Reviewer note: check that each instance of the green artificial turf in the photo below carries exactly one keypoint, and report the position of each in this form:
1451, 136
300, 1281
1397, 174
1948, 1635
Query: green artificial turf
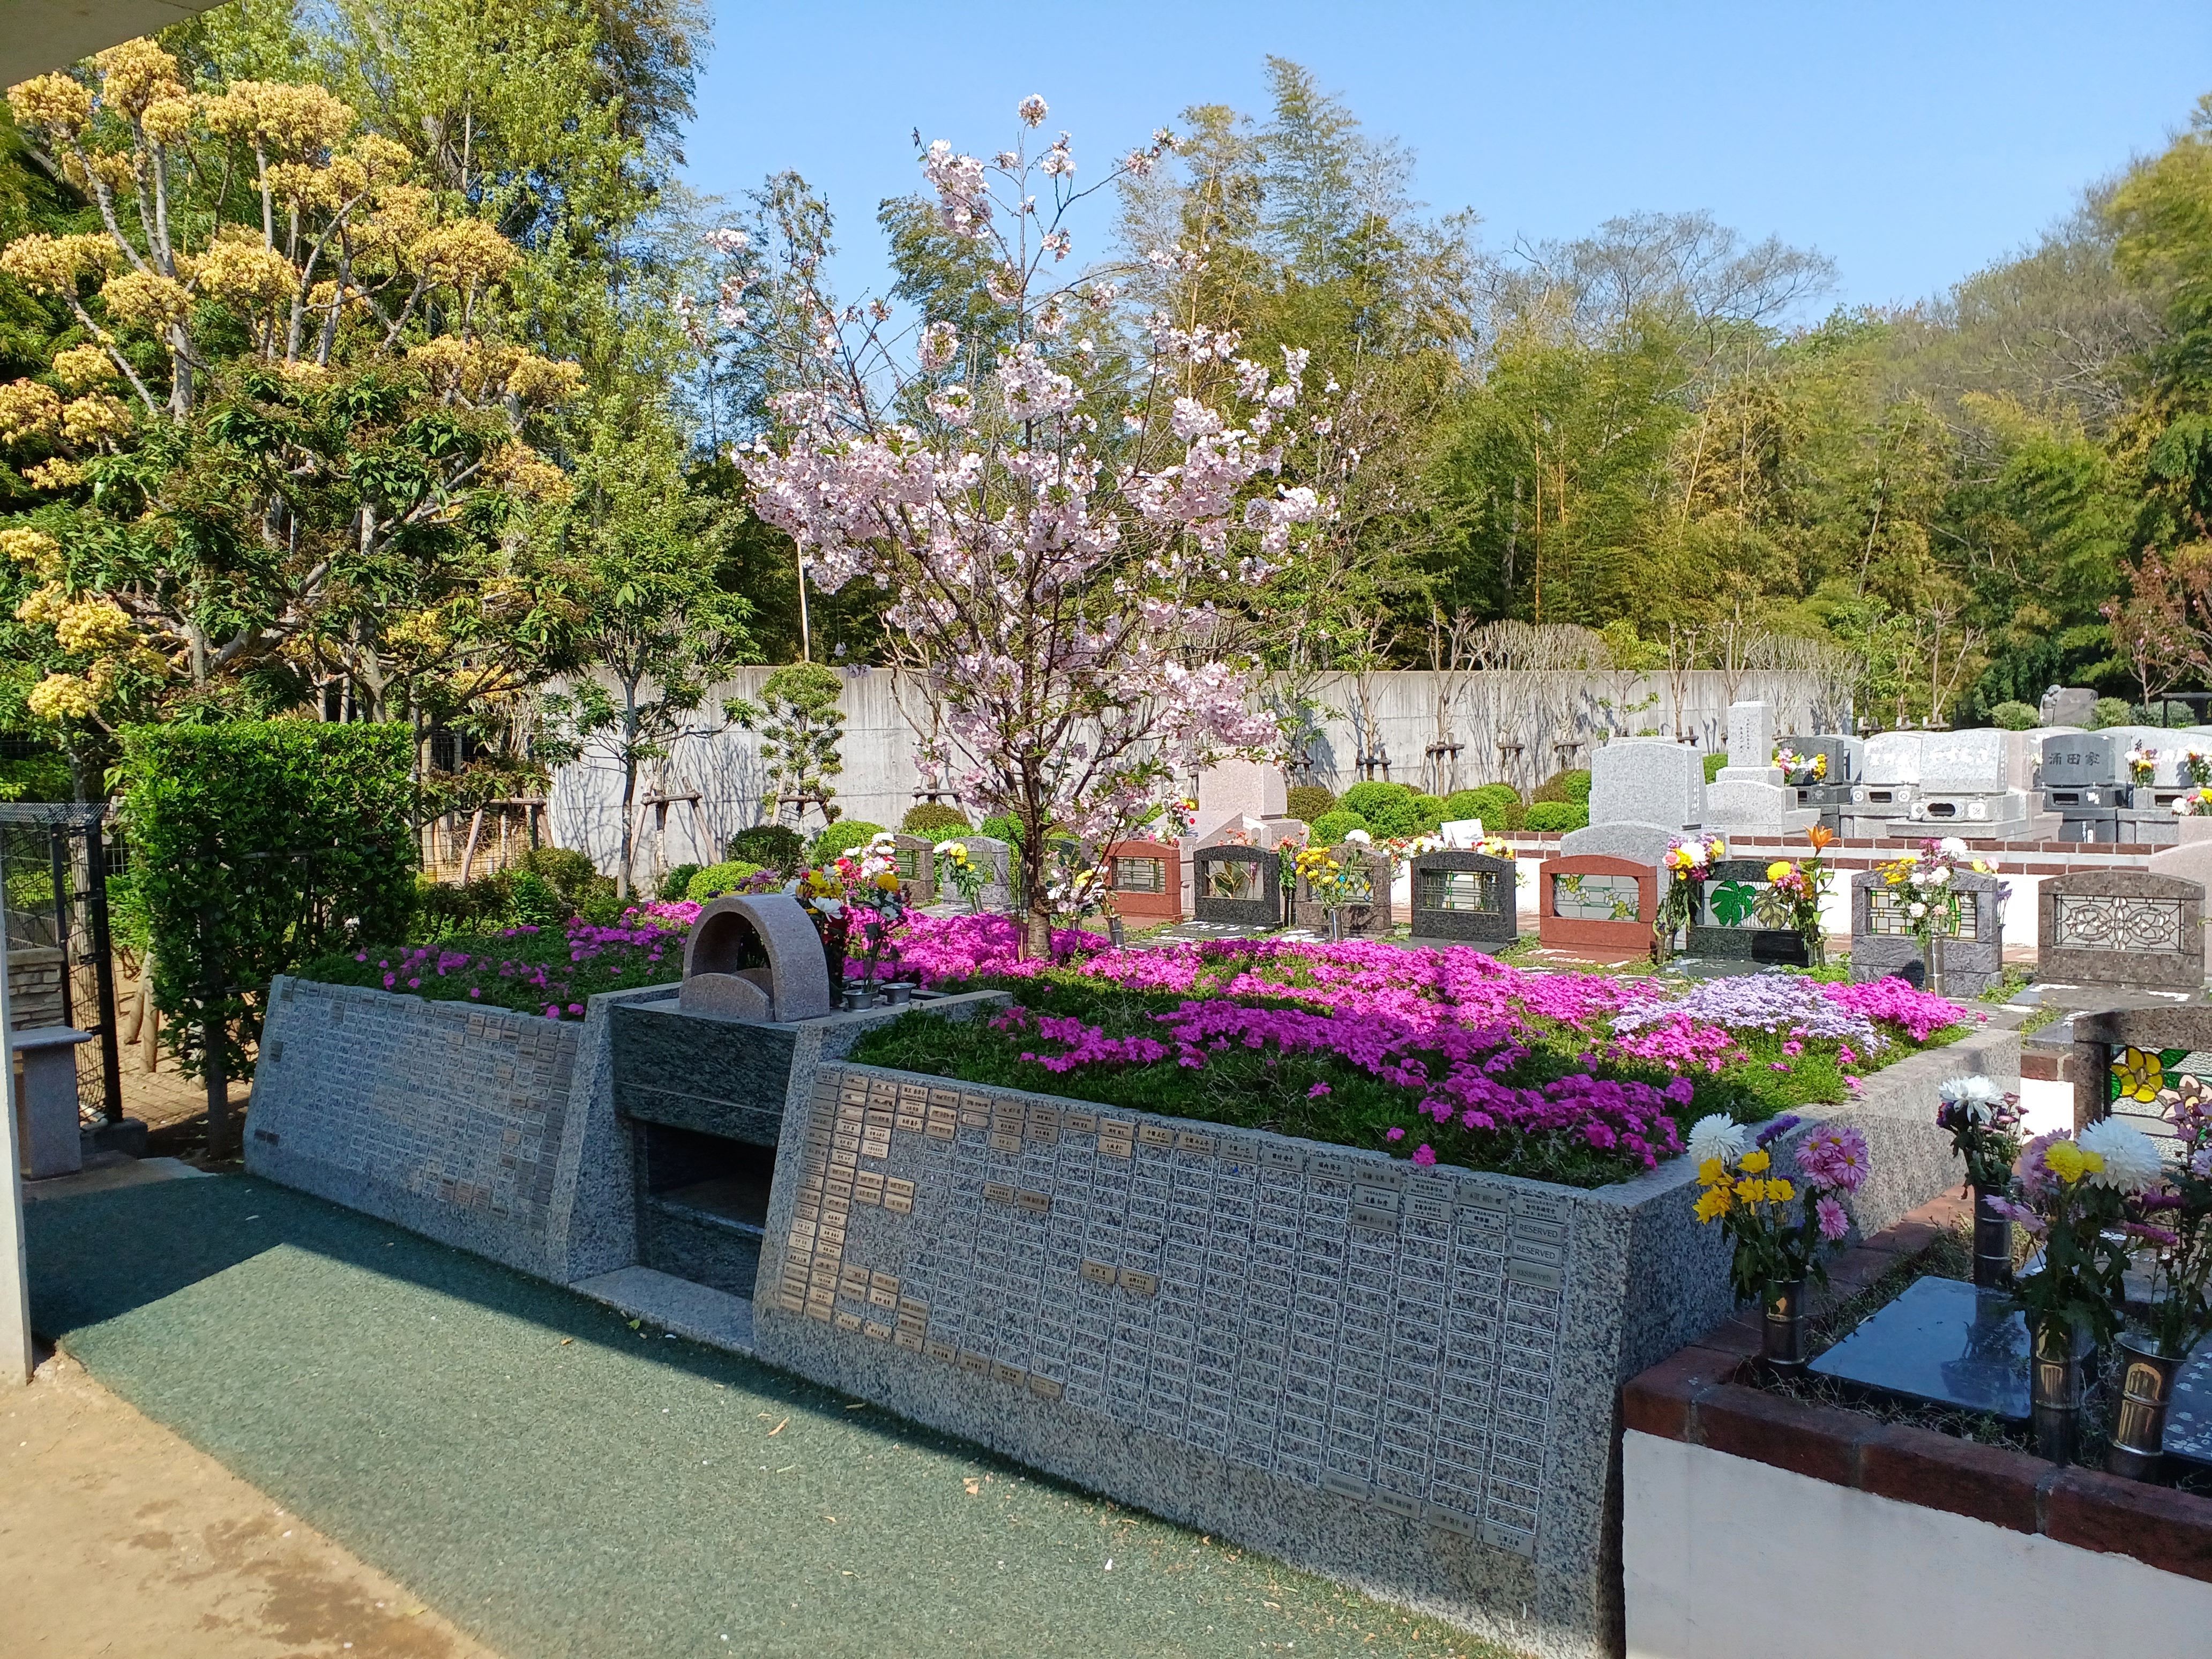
560, 1483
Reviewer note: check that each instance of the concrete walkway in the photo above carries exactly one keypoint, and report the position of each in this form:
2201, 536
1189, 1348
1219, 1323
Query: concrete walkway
559, 1483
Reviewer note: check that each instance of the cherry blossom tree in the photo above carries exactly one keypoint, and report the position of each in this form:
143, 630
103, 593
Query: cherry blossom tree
1071, 535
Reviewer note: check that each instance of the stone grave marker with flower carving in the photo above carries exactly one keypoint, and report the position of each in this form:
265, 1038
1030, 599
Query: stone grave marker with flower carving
1364, 911
1885, 935
1596, 902
917, 869
2121, 927
1146, 878
1731, 924
1236, 886
1465, 896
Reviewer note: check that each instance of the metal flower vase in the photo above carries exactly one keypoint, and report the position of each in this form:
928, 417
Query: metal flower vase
1935, 956
1335, 927
1992, 1243
2147, 1376
1783, 1337
2058, 1380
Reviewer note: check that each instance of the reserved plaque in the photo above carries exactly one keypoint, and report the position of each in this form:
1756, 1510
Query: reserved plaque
875, 1333
1043, 1387
1082, 1123
1002, 1372
1140, 1284
1531, 1273
847, 1321
944, 1352
1155, 1134
975, 1362
910, 1341
1098, 1272
1188, 1140
998, 1192
1035, 1203
820, 1311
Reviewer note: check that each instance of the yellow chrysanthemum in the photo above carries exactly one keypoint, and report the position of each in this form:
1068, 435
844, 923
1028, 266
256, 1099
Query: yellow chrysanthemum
1756, 1162
1712, 1172
1720, 848
1714, 1203
1778, 869
2067, 1161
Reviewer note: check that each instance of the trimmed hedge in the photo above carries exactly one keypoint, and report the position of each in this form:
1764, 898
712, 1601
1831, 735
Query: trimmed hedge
255, 845
1388, 808
1557, 815
933, 817
718, 879
841, 837
1331, 828
1490, 802
771, 845
1308, 802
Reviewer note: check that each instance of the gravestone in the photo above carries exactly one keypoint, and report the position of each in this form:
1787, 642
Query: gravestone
993, 860
1147, 877
2121, 927
1648, 780
1230, 790
1238, 886
2128, 1060
1467, 896
1750, 794
1883, 944
1596, 902
1725, 926
1943, 1341
1888, 783
917, 869
1366, 917
755, 956
2082, 781
2067, 705
1640, 843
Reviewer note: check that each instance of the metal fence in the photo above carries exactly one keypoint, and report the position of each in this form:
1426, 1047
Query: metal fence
55, 862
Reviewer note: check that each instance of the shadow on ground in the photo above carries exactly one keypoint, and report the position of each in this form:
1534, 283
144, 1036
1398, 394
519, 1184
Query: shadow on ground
560, 1483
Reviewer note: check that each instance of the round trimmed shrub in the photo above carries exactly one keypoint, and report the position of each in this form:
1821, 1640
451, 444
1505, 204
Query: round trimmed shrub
1557, 815
678, 882
1572, 785
1330, 828
934, 818
1388, 808
2110, 711
1431, 810
842, 837
1308, 802
2012, 716
1488, 801
1713, 764
718, 879
771, 845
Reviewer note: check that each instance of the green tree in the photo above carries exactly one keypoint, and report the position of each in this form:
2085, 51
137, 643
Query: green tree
800, 726
656, 629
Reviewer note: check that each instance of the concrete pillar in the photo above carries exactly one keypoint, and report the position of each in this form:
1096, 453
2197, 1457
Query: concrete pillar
46, 1111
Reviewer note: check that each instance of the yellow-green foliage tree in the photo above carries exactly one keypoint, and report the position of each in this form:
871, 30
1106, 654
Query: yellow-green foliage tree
289, 437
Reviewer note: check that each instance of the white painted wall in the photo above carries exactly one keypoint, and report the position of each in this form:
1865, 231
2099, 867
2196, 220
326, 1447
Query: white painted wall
1726, 1559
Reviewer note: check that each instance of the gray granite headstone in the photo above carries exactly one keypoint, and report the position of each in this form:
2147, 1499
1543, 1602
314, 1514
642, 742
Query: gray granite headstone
1883, 944
1892, 759
994, 858
1366, 912
1242, 886
1750, 794
1640, 843
2067, 705
2121, 927
917, 868
1965, 763
1464, 895
756, 957
1648, 780
2083, 760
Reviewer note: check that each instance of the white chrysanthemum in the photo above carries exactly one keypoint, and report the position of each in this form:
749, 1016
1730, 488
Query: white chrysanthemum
1717, 1136
1360, 837
1951, 848
2131, 1160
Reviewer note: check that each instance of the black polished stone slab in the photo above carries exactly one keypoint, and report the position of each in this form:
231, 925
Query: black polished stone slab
1265, 910
1944, 1342
1466, 897
2188, 1420
722, 1077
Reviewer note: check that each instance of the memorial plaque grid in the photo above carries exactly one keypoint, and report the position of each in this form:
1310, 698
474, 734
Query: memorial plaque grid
1384, 1334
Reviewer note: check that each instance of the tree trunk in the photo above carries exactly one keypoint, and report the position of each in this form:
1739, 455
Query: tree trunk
469, 853
629, 821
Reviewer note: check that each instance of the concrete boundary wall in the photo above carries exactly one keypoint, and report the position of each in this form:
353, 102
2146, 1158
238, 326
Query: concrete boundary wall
1538, 710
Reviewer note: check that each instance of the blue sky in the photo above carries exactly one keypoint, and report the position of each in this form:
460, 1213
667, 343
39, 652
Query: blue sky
1911, 143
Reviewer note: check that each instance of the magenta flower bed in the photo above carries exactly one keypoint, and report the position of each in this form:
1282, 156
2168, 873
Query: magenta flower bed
1434, 1053
537, 970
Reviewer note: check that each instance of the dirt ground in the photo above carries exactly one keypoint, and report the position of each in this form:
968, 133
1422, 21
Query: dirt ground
118, 1539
